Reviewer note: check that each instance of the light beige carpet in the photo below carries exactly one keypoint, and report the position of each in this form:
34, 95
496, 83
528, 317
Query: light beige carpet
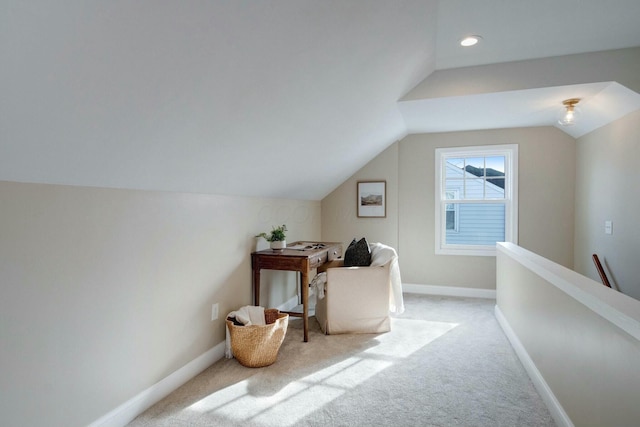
446, 362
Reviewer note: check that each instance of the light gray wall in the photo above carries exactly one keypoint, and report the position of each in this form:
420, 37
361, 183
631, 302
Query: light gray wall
340, 222
581, 337
608, 188
546, 178
546, 187
105, 292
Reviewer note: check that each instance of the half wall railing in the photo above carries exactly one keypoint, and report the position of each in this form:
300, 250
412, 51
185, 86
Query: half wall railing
578, 340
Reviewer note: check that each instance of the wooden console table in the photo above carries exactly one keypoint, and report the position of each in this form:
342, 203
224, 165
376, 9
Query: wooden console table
298, 256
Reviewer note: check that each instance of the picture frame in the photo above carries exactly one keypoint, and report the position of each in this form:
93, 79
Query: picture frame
372, 199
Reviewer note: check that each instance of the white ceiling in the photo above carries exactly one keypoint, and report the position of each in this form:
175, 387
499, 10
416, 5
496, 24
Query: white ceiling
278, 98
601, 103
514, 30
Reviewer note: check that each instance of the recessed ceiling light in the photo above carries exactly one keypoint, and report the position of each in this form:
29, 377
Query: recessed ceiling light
470, 41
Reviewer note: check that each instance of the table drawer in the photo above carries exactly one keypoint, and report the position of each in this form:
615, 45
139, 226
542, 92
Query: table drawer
318, 260
334, 252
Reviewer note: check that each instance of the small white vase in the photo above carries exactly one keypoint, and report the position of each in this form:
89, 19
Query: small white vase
278, 245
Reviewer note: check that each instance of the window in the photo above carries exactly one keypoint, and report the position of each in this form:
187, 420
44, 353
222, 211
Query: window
476, 199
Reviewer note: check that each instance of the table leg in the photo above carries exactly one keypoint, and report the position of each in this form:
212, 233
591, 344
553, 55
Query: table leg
305, 303
256, 286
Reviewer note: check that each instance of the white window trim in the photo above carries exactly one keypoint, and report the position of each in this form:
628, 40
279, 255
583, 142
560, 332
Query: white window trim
510, 151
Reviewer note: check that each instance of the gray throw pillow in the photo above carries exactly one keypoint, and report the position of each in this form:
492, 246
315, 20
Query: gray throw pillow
358, 254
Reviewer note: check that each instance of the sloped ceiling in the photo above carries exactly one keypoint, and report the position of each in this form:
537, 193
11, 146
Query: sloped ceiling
273, 98
600, 103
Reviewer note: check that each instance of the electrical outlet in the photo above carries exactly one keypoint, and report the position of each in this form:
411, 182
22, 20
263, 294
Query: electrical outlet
214, 311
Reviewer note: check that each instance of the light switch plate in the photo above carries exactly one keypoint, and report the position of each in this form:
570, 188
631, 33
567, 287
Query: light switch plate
608, 227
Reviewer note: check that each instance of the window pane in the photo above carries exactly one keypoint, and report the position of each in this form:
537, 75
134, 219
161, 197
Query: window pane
451, 220
495, 188
495, 175
455, 163
474, 165
453, 171
478, 224
454, 188
474, 188
496, 163
497, 180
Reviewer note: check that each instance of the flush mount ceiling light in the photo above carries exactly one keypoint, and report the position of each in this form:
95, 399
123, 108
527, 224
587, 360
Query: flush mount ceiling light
571, 113
470, 41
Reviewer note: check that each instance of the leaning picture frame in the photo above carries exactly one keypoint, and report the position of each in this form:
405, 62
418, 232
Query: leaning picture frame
372, 199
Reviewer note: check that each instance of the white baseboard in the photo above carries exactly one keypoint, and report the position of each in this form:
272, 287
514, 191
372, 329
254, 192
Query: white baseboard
125, 413
451, 291
557, 412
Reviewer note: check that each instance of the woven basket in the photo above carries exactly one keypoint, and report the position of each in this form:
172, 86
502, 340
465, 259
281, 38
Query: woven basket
256, 346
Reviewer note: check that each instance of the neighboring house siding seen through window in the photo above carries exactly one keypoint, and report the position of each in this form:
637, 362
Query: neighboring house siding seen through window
476, 199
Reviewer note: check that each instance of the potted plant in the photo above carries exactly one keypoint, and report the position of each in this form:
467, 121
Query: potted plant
277, 238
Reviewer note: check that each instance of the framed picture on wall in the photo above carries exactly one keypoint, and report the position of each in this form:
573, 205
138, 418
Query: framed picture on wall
372, 199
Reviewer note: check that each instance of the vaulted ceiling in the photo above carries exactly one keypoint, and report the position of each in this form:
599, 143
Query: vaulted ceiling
273, 98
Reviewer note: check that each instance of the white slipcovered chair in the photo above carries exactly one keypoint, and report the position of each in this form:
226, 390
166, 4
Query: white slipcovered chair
360, 299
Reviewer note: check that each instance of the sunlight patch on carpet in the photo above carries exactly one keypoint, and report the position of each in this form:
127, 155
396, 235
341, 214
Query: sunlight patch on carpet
301, 397
409, 336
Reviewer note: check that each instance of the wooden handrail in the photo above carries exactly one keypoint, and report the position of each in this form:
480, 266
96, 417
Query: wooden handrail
603, 275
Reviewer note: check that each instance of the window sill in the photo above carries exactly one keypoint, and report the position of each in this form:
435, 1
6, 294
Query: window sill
466, 252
